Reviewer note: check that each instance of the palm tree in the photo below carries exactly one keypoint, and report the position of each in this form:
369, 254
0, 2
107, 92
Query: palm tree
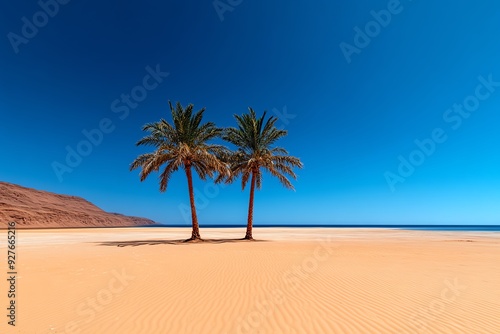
182, 145
254, 138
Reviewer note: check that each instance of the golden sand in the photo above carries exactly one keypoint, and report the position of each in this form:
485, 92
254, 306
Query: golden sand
141, 280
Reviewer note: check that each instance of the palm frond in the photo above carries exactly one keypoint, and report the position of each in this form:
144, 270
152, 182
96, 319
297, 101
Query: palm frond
254, 138
182, 143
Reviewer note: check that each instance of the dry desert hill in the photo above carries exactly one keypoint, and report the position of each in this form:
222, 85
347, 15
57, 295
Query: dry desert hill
31, 208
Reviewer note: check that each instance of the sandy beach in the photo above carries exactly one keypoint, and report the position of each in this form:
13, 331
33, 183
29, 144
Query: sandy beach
302, 280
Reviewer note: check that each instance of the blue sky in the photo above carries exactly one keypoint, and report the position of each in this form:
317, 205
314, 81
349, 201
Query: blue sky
413, 71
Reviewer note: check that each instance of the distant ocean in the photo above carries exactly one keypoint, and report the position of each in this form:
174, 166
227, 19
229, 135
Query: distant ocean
473, 228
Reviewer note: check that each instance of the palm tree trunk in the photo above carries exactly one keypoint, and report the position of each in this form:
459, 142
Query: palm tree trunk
195, 235
248, 235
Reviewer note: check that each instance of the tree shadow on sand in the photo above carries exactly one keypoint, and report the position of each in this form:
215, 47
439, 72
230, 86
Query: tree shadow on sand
135, 243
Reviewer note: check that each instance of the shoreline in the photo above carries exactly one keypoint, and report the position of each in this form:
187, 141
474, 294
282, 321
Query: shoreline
456, 228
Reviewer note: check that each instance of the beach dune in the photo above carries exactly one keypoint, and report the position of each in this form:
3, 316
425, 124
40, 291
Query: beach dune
293, 280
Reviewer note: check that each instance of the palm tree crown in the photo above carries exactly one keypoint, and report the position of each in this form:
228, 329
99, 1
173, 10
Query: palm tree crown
183, 144
254, 139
